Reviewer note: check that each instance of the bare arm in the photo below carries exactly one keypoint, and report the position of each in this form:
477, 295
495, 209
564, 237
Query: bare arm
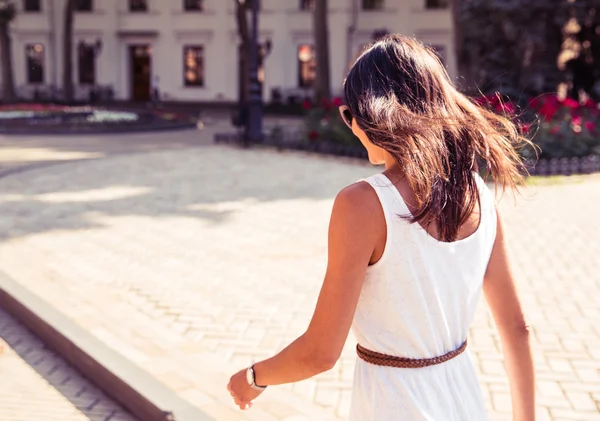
501, 294
353, 233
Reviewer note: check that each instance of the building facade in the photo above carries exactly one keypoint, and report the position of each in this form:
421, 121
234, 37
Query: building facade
188, 49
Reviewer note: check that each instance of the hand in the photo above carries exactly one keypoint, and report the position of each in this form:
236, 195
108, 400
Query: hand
240, 390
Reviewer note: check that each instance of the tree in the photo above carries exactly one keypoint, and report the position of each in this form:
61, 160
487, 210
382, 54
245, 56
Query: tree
68, 87
462, 67
7, 15
321, 37
514, 45
241, 16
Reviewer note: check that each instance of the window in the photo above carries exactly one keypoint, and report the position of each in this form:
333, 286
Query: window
84, 5
307, 4
307, 65
372, 4
35, 62
437, 4
32, 6
193, 5
138, 5
86, 61
193, 65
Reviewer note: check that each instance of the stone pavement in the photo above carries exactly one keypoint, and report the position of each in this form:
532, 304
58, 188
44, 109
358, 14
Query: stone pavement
36, 384
194, 262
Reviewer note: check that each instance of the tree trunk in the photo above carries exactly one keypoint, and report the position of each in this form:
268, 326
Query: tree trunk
463, 80
321, 37
68, 88
8, 82
241, 16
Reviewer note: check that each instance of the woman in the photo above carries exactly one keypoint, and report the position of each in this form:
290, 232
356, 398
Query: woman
411, 249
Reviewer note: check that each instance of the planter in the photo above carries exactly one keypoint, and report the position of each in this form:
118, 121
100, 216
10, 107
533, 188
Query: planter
565, 166
59, 119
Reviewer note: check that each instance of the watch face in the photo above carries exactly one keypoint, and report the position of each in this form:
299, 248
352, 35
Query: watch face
250, 376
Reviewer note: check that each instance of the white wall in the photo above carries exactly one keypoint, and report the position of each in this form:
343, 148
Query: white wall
167, 28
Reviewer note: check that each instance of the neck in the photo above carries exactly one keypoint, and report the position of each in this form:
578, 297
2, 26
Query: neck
390, 162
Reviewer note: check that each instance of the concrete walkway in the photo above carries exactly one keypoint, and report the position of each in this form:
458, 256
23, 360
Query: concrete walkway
36, 384
192, 262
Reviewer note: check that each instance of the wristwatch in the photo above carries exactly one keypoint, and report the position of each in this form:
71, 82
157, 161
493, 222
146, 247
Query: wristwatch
250, 377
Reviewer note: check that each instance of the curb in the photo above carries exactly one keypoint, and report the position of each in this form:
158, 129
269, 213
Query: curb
144, 396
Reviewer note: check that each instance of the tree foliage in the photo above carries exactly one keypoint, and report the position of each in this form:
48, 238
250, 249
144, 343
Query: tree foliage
516, 46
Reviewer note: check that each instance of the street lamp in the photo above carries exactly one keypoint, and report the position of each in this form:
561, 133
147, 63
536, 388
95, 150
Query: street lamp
254, 132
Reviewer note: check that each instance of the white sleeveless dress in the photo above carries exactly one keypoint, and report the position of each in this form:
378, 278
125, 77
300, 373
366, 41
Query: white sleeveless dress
418, 301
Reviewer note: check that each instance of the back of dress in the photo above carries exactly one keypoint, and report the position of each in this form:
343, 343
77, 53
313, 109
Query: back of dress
418, 301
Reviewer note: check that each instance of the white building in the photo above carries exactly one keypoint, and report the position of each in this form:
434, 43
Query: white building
188, 48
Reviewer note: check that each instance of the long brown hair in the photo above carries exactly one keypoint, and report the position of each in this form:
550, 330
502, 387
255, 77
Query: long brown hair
401, 96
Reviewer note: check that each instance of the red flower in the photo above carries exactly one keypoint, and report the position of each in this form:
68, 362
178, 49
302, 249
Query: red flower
525, 128
337, 102
590, 104
326, 104
590, 126
577, 120
535, 102
548, 110
489, 100
554, 130
571, 103
306, 104
506, 108
313, 135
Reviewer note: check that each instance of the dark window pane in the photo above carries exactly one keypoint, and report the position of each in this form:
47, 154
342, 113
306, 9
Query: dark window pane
372, 4
32, 6
307, 65
307, 4
86, 60
193, 5
437, 4
138, 5
35, 62
84, 5
193, 65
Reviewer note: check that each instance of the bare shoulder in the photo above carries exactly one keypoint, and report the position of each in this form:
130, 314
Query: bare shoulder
359, 205
359, 198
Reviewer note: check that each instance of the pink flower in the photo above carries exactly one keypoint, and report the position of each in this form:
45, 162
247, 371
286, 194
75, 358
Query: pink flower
525, 128
313, 135
337, 102
534, 102
548, 110
590, 126
506, 108
490, 100
590, 104
571, 103
306, 104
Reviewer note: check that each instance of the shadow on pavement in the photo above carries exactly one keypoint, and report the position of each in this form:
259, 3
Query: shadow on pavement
39, 385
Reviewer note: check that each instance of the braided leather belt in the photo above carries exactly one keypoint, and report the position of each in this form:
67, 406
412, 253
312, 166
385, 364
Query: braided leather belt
377, 358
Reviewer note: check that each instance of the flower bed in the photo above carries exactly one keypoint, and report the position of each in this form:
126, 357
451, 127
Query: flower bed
567, 133
561, 128
53, 119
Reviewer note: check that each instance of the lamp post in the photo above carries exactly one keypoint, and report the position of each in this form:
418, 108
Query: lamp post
254, 133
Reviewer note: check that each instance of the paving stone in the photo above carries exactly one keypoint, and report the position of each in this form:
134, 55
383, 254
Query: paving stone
30, 392
220, 251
